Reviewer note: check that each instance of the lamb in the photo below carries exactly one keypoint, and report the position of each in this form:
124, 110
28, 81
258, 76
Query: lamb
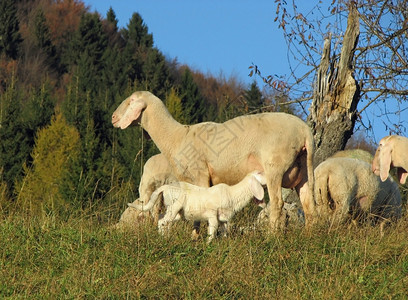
205, 154
156, 172
216, 204
345, 186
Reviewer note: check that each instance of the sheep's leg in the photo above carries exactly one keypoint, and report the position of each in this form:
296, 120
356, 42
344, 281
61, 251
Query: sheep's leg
171, 214
196, 230
224, 228
203, 180
280, 170
305, 194
156, 209
308, 203
274, 182
341, 211
276, 221
212, 228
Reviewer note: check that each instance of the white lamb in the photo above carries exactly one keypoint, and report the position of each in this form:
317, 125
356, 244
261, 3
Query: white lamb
216, 204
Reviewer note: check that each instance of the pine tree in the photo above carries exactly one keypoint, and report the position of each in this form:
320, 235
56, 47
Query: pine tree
111, 19
10, 37
14, 144
38, 110
113, 75
191, 99
137, 42
43, 35
253, 97
136, 34
156, 73
89, 50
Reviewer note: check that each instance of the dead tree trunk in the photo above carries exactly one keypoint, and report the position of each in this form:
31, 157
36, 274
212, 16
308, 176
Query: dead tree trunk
336, 95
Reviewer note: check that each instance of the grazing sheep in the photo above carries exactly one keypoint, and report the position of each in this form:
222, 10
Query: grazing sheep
292, 206
392, 152
355, 153
216, 204
347, 187
156, 172
205, 154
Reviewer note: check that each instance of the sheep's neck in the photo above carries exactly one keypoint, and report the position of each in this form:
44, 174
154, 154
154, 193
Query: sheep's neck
166, 132
241, 197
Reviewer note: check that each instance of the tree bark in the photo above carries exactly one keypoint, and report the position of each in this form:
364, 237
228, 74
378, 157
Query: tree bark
336, 94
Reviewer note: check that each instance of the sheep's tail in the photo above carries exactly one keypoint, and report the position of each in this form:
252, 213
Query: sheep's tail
309, 144
322, 198
153, 199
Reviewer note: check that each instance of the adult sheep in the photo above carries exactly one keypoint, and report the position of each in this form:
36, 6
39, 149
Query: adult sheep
205, 154
347, 187
156, 172
392, 152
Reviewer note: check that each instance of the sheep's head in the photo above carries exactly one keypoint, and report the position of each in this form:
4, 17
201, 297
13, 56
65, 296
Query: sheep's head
129, 110
257, 180
259, 176
382, 161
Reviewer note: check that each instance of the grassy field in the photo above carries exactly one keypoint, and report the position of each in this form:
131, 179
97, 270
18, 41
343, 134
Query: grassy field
82, 258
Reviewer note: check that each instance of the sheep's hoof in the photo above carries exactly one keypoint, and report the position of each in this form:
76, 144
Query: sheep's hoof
194, 235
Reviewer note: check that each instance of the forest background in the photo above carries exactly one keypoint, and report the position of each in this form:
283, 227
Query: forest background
63, 70
66, 174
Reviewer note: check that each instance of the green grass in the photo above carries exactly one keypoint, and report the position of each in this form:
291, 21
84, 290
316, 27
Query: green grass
80, 258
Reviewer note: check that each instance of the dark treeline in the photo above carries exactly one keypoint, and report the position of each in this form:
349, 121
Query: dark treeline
63, 70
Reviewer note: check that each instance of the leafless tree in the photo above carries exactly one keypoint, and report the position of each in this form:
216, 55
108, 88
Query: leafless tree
346, 58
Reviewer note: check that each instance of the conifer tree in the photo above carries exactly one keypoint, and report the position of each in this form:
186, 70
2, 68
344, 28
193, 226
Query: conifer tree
253, 97
137, 41
88, 50
14, 144
173, 104
191, 99
10, 37
43, 35
114, 76
38, 110
111, 19
156, 73
136, 34
56, 146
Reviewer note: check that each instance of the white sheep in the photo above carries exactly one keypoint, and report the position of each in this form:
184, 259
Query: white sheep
216, 204
392, 152
347, 187
156, 172
278, 144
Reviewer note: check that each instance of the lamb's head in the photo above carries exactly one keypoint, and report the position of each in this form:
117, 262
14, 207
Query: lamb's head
259, 176
130, 110
256, 182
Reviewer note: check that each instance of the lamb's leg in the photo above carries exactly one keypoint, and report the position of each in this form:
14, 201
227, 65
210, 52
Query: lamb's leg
171, 214
224, 228
196, 230
212, 228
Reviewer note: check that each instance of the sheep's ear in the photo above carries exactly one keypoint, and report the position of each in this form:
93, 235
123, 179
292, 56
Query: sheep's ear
402, 175
385, 161
135, 108
257, 189
260, 176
